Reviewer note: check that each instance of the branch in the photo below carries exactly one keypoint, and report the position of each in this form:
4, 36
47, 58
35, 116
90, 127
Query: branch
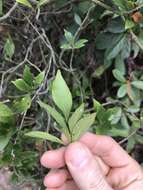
9, 12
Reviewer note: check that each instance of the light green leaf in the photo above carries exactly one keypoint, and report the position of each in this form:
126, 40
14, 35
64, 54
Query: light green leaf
9, 48
5, 113
22, 105
69, 37
75, 117
120, 3
77, 19
44, 135
27, 75
122, 91
119, 76
80, 43
129, 24
21, 85
66, 46
39, 78
138, 84
97, 105
25, 2
62, 95
4, 141
82, 126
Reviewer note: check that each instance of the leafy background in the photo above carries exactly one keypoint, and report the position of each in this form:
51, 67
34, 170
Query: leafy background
98, 47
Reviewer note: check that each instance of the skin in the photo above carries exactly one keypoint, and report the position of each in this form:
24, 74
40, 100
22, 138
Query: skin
93, 163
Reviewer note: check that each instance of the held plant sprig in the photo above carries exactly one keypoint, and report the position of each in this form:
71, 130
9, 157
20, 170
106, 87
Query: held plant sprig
71, 125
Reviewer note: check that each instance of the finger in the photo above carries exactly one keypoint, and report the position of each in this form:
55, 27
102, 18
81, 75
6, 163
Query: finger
107, 149
69, 185
56, 178
84, 168
53, 158
104, 168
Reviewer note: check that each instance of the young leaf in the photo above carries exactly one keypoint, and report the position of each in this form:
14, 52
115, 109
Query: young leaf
138, 84
122, 91
39, 78
62, 95
77, 19
80, 43
119, 76
44, 135
22, 85
24, 2
4, 139
75, 117
27, 75
69, 37
82, 126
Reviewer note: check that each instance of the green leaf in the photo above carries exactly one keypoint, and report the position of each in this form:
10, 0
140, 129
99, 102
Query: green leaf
97, 105
57, 116
116, 116
4, 140
82, 126
119, 76
9, 48
69, 37
45, 136
122, 91
77, 19
116, 25
25, 2
119, 64
138, 84
112, 52
80, 43
22, 85
27, 75
22, 105
39, 78
66, 46
75, 117
62, 95
129, 24
120, 3
5, 113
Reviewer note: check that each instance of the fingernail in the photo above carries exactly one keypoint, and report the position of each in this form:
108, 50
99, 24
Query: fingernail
79, 157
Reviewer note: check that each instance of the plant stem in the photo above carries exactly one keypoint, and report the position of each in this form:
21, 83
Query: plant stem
102, 5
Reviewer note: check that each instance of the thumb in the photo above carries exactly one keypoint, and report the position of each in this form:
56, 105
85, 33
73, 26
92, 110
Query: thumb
84, 168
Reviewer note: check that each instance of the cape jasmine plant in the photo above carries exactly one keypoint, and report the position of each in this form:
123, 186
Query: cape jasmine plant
72, 125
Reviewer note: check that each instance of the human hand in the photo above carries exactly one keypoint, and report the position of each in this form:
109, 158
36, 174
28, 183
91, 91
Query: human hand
93, 163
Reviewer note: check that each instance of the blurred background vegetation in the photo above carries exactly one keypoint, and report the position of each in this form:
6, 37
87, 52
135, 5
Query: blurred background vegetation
98, 46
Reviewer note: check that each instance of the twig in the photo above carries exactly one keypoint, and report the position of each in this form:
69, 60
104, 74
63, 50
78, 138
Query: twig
9, 12
100, 3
